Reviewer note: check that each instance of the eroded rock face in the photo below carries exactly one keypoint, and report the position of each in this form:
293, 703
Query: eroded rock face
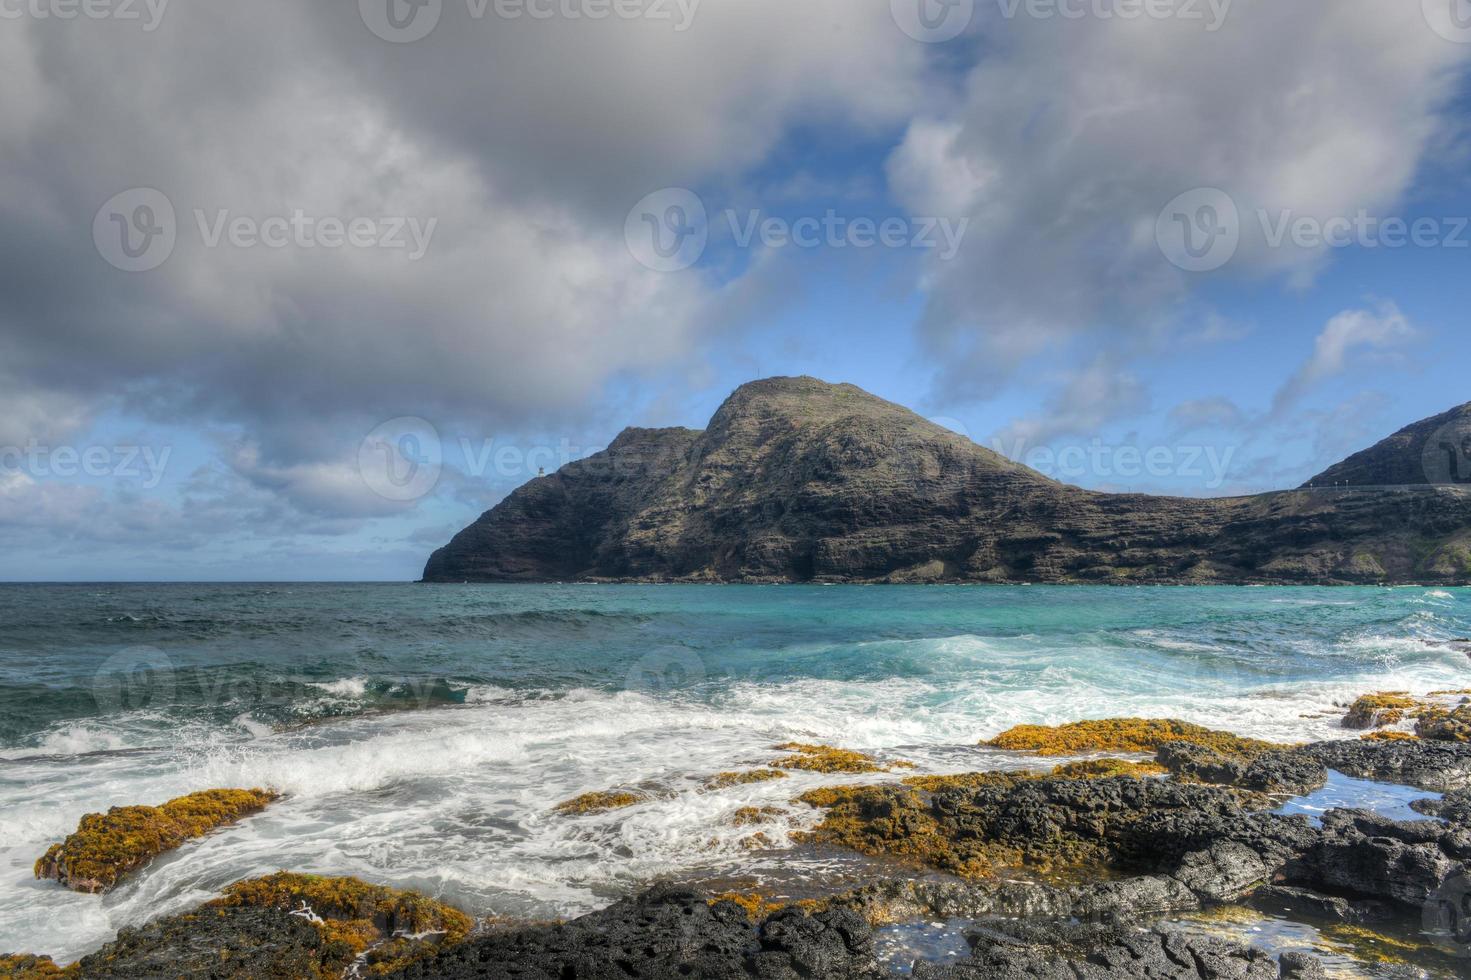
1289, 772
797, 480
1366, 855
1435, 766
1009, 950
665, 935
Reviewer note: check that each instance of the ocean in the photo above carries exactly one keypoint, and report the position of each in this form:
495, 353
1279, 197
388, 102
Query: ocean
423, 734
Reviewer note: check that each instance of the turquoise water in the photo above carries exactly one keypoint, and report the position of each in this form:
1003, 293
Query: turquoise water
422, 734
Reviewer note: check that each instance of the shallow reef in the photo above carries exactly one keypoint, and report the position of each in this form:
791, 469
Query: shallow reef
600, 802
107, 846
825, 758
726, 780
1068, 872
388, 927
1122, 735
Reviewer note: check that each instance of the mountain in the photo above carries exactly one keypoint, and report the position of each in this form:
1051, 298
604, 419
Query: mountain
797, 480
1435, 450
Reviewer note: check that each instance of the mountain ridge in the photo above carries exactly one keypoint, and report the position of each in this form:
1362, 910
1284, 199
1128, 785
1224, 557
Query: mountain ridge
799, 480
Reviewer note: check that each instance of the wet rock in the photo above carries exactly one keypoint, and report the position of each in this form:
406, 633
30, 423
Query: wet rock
1445, 726
1379, 710
1200, 838
1010, 950
1435, 766
219, 944
1452, 807
1362, 854
667, 934
1287, 771
1287, 900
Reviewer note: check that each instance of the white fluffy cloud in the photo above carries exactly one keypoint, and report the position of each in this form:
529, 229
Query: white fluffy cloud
1072, 135
1350, 333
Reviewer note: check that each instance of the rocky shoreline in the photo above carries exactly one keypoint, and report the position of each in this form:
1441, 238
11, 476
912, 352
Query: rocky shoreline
1070, 872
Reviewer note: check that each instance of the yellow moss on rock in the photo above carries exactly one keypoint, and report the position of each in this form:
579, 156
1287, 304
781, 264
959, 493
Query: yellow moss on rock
758, 906
1389, 737
966, 780
1123, 735
825, 758
1379, 710
1108, 768
725, 780
748, 815
27, 967
1441, 725
392, 926
887, 821
599, 802
107, 846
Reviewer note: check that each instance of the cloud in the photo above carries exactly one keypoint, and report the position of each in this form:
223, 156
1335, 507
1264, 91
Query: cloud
526, 140
1072, 135
1206, 413
1089, 399
1348, 334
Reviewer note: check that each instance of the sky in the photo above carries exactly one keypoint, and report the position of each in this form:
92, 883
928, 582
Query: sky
295, 291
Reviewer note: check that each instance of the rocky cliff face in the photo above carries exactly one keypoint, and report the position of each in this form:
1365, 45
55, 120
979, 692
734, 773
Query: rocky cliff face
1432, 451
797, 480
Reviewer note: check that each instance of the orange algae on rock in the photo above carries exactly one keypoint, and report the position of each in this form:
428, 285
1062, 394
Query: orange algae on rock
1442, 725
1379, 710
1123, 735
107, 846
599, 802
1108, 768
892, 821
758, 906
1388, 737
27, 967
387, 928
825, 758
725, 780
